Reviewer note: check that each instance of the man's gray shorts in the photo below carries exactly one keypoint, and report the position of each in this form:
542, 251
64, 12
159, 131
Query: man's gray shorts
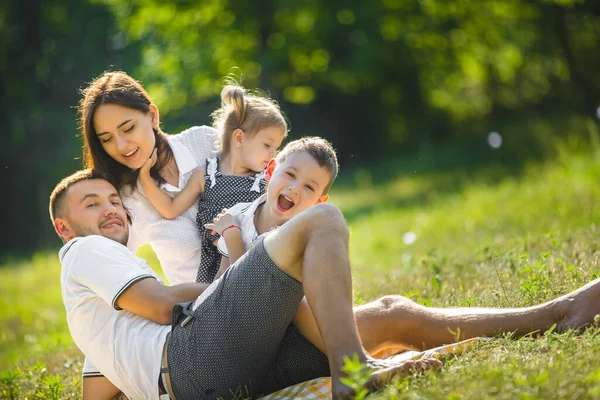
238, 342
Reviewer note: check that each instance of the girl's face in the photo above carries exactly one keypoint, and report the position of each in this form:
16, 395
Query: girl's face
125, 133
258, 150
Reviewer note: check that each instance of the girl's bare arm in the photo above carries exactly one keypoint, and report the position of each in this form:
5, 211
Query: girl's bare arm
168, 207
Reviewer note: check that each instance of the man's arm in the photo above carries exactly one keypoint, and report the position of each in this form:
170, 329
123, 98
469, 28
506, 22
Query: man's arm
154, 301
99, 388
113, 273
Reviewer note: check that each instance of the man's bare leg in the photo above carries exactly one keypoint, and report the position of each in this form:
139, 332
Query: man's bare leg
313, 248
395, 321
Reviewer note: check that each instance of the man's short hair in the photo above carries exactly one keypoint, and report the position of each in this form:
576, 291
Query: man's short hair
320, 149
58, 194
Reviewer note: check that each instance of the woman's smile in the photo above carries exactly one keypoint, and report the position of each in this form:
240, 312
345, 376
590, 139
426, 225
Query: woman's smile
132, 154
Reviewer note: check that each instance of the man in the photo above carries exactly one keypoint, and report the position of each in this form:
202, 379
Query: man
235, 336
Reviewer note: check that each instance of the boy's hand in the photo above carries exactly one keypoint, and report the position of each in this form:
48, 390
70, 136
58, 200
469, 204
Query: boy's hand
222, 221
145, 169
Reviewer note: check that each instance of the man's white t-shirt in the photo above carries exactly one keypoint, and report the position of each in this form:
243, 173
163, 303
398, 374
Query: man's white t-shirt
244, 212
176, 242
123, 347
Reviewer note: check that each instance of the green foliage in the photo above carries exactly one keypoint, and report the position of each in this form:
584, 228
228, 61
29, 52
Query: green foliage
48, 50
46, 386
35, 382
396, 62
357, 376
10, 386
377, 78
554, 366
535, 280
32, 310
520, 232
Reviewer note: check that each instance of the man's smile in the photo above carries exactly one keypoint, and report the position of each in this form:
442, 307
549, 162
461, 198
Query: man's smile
112, 223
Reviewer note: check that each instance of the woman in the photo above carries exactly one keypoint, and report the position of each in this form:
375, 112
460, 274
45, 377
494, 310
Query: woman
121, 128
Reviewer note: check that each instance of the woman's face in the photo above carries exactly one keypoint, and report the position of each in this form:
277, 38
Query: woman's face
125, 133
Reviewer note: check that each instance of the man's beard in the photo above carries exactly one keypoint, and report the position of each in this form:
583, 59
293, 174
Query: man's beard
85, 231
119, 238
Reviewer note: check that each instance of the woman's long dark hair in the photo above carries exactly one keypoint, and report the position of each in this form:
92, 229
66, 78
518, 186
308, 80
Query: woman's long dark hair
121, 89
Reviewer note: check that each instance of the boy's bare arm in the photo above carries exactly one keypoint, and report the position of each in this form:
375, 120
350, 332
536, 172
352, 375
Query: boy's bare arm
228, 226
223, 267
235, 248
235, 244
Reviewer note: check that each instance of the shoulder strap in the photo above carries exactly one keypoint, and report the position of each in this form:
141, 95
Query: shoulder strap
212, 166
257, 180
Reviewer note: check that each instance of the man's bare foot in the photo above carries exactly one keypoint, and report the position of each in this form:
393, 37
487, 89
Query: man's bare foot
381, 373
578, 309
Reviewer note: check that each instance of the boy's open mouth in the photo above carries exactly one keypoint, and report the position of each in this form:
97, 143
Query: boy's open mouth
284, 203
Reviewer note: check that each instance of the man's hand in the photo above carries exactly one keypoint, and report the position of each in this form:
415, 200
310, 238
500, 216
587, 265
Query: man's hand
222, 221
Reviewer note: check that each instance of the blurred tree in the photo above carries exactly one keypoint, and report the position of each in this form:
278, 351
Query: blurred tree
377, 78
386, 73
47, 51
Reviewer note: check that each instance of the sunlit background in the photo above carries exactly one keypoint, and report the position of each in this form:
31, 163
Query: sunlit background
399, 86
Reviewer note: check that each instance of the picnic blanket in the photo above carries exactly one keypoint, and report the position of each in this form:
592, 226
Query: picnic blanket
320, 388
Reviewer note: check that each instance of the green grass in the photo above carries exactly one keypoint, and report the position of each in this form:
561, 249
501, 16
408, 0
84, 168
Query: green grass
479, 240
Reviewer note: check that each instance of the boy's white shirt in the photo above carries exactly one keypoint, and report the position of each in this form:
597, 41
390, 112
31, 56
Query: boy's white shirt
244, 212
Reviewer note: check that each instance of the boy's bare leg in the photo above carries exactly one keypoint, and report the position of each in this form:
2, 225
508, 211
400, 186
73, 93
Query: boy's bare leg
313, 248
395, 321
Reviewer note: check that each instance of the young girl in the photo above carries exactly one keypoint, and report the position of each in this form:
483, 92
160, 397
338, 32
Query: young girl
251, 129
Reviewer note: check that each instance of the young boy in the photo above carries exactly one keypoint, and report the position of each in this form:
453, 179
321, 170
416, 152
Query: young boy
299, 177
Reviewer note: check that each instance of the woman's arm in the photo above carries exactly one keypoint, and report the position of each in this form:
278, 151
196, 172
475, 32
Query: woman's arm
168, 207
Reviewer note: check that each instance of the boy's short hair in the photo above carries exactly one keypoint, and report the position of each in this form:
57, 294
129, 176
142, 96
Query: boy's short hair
58, 194
320, 149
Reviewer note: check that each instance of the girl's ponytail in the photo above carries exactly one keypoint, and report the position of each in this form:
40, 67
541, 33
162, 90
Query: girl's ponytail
245, 110
233, 96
